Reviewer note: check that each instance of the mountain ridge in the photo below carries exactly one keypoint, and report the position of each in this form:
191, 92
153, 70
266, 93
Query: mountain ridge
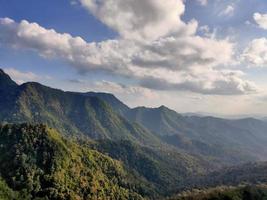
71, 112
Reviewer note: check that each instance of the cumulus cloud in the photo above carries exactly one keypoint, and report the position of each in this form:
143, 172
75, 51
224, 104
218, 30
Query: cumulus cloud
181, 53
211, 82
171, 59
141, 19
122, 89
256, 53
119, 89
261, 20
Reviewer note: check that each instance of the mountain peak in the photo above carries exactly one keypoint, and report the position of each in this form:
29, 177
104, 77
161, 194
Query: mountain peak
5, 81
112, 100
162, 107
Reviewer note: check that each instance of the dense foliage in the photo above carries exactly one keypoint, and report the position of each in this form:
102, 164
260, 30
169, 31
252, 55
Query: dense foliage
164, 169
39, 164
249, 173
258, 192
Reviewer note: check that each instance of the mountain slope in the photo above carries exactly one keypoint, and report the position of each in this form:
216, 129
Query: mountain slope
161, 121
251, 192
115, 103
6, 82
205, 135
248, 174
165, 169
220, 140
252, 173
71, 113
37, 162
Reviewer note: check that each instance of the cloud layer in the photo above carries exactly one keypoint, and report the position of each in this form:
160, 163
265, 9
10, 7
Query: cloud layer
155, 48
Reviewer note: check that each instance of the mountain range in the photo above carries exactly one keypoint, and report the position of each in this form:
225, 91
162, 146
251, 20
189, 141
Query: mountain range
138, 153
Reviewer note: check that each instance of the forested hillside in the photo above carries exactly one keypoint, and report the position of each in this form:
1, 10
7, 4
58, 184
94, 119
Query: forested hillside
37, 163
258, 192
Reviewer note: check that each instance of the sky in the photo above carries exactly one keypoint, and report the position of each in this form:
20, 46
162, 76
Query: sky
206, 56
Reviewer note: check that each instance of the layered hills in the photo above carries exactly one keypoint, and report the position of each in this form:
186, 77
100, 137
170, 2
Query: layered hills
69, 145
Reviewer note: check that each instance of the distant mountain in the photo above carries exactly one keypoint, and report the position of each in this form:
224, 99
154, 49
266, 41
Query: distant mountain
6, 82
246, 137
72, 113
115, 103
161, 121
221, 140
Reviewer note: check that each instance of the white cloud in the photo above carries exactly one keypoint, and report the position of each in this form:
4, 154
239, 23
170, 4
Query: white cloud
261, 20
122, 89
228, 11
21, 77
208, 82
132, 93
171, 62
141, 19
256, 53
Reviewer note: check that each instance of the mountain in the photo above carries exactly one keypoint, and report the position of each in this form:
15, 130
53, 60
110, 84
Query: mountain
71, 113
205, 135
6, 82
115, 103
161, 121
234, 139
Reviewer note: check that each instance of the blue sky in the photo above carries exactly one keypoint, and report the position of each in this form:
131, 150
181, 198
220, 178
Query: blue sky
193, 55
